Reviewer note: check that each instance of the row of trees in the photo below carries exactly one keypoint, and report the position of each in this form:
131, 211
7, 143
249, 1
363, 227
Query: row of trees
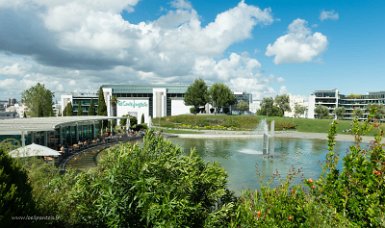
377, 111
39, 101
219, 96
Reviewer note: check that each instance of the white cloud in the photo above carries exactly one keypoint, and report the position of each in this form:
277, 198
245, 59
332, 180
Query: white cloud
90, 43
181, 4
14, 69
298, 45
329, 15
240, 72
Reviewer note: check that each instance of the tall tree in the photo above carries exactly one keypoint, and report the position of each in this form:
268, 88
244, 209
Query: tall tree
114, 102
321, 111
268, 108
80, 110
283, 103
68, 109
299, 110
102, 107
39, 101
221, 96
91, 110
196, 94
376, 111
339, 112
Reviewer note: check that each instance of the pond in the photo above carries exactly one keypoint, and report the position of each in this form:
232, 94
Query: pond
245, 169
244, 162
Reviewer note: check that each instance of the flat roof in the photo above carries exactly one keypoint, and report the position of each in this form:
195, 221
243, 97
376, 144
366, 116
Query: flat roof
17, 125
145, 88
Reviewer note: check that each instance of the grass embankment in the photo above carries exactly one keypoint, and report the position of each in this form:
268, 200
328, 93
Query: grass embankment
249, 123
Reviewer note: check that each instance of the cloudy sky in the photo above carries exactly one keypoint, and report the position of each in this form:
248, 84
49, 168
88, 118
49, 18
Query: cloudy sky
264, 47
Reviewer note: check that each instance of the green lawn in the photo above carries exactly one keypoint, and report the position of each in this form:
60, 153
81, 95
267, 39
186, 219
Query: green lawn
249, 122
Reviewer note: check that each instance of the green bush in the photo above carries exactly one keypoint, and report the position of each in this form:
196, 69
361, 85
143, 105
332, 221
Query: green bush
154, 185
15, 192
284, 206
358, 190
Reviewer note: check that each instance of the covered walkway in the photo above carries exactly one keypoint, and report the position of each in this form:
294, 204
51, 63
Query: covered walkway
53, 132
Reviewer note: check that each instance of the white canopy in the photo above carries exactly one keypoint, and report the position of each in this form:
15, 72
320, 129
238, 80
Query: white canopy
33, 150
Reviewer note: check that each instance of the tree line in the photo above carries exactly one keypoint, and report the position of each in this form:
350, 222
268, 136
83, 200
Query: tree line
218, 95
376, 110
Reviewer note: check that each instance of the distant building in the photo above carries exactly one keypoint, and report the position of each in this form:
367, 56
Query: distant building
147, 100
75, 98
297, 100
8, 115
3, 105
333, 99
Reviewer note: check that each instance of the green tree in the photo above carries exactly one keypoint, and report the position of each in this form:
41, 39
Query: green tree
68, 110
242, 106
299, 110
133, 121
39, 101
376, 111
283, 103
114, 102
339, 112
221, 96
358, 113
80, 110
321, 111
91, 110
142, 119
196, 94
268, 108
15, 191
102, 107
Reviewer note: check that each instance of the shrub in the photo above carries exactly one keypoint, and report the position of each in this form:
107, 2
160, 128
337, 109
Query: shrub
15, 191
358, 190
154, 185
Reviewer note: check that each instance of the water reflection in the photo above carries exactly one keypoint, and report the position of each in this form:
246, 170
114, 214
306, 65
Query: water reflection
301, 155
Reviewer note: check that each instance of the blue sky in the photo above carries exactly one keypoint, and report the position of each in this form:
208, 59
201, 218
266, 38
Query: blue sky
79, 45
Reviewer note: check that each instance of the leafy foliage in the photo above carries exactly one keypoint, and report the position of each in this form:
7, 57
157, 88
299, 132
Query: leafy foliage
68, 110
358, 113
284, 206
15, 191
154, 185
242, 106
283, 103
299, 110
196, 94
321, 111
339, 112
80, 110
102, 107
91, 110
268, 108
358, 191
39, 101
221, 96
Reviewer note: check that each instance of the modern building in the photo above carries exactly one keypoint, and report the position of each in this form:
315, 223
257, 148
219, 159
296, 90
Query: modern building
145, 100
75, 98
332, 99
52, 131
